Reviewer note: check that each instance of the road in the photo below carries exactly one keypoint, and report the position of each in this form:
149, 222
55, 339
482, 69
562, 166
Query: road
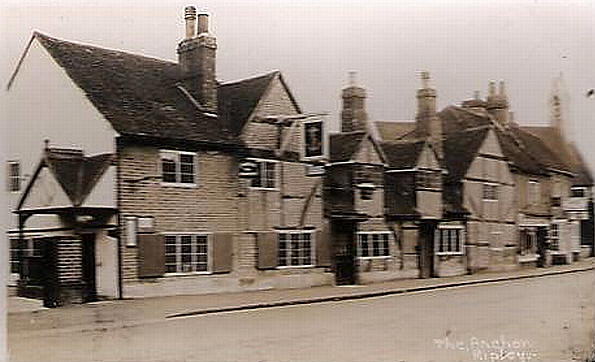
547, 319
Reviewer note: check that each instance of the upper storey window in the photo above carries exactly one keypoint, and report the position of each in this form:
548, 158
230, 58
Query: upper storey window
14, 176
178, 167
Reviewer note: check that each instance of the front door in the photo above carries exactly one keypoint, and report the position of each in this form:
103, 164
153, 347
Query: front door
541, 245
89, 287
426, 249
343, 233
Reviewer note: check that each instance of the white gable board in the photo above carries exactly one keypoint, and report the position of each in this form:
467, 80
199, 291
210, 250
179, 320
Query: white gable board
46, 192
367, 153
44, 103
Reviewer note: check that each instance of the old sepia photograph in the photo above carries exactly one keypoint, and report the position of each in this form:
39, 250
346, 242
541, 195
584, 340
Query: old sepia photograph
277, 180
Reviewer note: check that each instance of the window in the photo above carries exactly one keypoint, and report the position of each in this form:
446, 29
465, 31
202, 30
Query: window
14, 176
490, 192
373, 244
313, 139
295, 248
267, 174
554, 237
427, 179
178, 167
186, 253
31, 248
577, 192
14, 256
450, 240
533, 192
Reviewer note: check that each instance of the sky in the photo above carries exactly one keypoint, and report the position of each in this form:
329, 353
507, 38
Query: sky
463, 44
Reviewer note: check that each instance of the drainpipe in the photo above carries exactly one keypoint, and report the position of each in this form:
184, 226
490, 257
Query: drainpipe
119, 217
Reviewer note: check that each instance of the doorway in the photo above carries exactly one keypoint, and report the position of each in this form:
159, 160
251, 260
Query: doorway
426, 249
541, 245
89, 291
343, 233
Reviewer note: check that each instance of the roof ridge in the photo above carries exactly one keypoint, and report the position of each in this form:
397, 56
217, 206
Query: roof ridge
261, 75
43, 36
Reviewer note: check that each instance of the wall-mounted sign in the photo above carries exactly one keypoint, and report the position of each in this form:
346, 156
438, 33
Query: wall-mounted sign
131, 230
248, 169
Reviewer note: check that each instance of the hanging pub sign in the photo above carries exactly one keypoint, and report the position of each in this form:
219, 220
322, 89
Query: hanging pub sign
313, 133
248, 169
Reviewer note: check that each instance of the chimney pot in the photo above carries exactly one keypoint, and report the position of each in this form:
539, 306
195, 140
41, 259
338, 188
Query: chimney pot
502, 88
425, 79
492, 89
190, 17
476, 95
203, 23
352, 78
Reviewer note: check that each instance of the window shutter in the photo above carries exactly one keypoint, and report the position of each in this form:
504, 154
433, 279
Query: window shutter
323, 247
222, 252
151, 255
267, 250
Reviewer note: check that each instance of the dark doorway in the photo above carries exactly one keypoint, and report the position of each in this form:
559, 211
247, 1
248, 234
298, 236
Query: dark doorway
426, 249
541, 245
343, 233
89, 291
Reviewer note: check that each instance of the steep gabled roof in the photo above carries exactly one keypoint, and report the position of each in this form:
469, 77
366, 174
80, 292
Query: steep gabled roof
403, 155
237, 100
343, 146
460, 149
538, 149
76, 174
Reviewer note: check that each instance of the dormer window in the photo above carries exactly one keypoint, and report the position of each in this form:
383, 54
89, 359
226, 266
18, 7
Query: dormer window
490, 192
313, 139
534, 190
577, 192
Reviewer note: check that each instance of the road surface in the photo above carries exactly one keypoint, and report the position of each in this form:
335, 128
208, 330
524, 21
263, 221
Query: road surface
546, 319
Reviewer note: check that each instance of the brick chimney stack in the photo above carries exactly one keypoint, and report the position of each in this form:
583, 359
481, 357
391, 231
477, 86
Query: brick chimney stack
497, 103
197, 59
353, 114
427, 122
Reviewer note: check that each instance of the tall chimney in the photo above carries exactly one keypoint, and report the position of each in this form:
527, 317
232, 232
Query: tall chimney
497, 104
197, 59
353, 114
427, 122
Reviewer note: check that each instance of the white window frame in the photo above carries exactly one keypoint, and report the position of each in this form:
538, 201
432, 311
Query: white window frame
554, 234
438, 235
581, 189
164, 153
533, 192
312, 264
263, 175
178, 236
492, 196
322, 140
371, 246
12, 179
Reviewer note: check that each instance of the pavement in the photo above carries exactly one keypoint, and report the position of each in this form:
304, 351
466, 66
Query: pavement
30, 317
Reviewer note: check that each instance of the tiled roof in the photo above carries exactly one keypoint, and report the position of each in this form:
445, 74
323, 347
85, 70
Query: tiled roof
402, 155
344, 145
393, 131
237, 100
138, 94
460, 149
568, 153
539, 150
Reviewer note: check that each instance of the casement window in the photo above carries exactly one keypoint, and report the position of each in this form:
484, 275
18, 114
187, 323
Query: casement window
186, 253
266, 177
490, 192
313, 139
428, 179
13, 176
31, 248
528, 242
295, 248
577, 192
533, 190
178, 167
373, 244
14, 256
554, 236
449, 240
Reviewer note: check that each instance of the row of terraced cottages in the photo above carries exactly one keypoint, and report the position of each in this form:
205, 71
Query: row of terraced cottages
157, 179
